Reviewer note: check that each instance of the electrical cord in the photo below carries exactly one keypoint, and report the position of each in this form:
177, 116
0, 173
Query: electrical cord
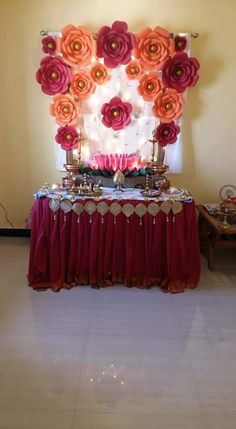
6, 216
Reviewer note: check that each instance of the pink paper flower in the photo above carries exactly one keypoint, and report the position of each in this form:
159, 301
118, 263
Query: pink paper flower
180, 43
53, 75
115, 44
167, 133
49, 45
116, 114
180, 72
114, 162
67, 137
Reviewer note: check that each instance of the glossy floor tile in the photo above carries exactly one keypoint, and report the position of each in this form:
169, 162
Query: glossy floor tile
116, 358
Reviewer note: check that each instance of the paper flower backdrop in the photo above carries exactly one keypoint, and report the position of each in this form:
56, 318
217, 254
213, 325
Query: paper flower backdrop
79, 63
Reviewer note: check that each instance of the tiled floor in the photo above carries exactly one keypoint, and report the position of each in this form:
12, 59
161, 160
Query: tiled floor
116, 358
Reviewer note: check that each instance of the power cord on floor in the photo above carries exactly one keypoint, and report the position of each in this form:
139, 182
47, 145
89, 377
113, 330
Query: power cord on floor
6, 216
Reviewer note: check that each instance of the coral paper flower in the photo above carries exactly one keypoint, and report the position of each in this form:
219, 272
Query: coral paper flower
115, 44
82, 85
180, 72
116, 114
64, 109
168, 105
153, 47
99, 73
134, 70
53, 75
149, 86
180, 43
49, 45
167, 133
67, 137
76, 45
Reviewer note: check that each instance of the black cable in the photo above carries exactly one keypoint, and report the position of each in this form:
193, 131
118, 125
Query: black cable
6, 215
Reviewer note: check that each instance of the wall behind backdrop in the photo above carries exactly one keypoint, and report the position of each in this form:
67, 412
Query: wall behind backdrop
27, 157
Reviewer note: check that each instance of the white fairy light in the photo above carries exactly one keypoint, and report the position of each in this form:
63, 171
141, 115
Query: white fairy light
85, 153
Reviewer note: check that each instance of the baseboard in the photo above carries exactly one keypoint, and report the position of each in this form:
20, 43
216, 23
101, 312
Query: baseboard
14, 232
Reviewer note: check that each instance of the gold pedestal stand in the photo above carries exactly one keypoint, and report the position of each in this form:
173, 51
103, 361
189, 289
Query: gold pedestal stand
158, 166
70, 182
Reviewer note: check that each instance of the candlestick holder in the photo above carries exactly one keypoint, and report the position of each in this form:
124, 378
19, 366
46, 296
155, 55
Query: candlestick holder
158, 166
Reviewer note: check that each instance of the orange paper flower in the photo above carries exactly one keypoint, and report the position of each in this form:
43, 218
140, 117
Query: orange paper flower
134, 70
82, 85
168, 105
65, 109
76, 45
99, 73
154, 47
149, 86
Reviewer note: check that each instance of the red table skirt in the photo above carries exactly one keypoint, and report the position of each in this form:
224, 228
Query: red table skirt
100, 252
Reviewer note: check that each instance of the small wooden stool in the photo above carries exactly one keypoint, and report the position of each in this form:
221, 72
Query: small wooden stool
214, 235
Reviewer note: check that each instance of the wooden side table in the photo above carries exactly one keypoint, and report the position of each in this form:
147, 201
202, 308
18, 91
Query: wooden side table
214, 235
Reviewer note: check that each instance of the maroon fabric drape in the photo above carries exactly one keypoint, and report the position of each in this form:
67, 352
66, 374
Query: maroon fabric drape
65, 253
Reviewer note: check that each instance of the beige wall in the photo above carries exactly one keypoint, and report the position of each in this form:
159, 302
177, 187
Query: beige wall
26, 137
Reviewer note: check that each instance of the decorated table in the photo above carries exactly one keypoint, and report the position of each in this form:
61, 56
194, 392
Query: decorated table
119, 237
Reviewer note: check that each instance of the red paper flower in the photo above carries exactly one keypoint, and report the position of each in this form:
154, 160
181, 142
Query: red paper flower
180, 43
76, 45
115, 44
116, 114
82, 85
149, 86
134, 70
67, 137
167, 133
153, 47
168, 105
49, 45
53, 75
180, 72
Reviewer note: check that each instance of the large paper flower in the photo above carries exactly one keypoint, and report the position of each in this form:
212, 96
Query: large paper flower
49, 45
67, 137
115, 44
99, 73
76, 45
180, 43
134, 70
180, 72
114, 162
53, 75
65, 109
153, 47
116, 114
82, 85
149, 86
168, 105
167, 133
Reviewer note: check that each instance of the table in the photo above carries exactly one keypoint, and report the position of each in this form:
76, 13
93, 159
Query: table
213, 235
68, 249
